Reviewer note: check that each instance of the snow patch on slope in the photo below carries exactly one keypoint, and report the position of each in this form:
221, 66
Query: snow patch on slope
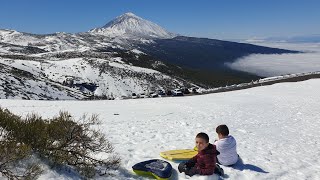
112, 77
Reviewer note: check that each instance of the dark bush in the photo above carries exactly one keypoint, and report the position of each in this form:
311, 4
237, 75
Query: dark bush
60, 140
12, 152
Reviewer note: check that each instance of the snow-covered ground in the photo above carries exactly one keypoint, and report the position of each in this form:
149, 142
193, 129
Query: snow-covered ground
280, 64
277, 128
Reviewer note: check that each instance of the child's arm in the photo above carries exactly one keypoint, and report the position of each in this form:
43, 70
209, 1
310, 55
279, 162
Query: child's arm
190, 168
192, 171
191, 162
215, 142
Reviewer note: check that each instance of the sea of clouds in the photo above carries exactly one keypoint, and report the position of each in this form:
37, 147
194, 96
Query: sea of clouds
279, 64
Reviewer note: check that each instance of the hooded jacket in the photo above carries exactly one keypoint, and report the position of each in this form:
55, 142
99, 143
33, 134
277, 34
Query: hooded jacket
228, 151
205, 160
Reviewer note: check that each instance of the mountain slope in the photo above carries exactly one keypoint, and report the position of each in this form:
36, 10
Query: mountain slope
19, 84
205, 60
203, 53
109, 77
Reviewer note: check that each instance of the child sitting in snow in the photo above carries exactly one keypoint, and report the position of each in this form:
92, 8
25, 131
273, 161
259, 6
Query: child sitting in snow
204, 163
227, 146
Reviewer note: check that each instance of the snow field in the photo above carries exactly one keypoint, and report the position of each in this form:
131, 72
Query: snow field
276, 127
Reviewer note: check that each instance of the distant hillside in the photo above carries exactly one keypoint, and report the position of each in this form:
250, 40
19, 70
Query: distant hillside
202, 53
203, 60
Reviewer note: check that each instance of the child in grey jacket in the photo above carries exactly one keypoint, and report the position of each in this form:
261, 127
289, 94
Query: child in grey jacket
227, 146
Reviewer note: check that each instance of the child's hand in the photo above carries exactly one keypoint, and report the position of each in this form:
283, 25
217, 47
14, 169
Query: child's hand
192, 171
182, 168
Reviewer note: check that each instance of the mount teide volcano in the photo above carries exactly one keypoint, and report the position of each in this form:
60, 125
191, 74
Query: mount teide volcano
129, 25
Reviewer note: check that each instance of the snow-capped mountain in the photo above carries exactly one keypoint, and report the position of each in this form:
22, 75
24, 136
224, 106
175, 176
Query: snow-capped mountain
130, 25
128, 55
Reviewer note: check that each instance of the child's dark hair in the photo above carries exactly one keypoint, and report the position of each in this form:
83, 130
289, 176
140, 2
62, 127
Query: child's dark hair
222, 129
203, 136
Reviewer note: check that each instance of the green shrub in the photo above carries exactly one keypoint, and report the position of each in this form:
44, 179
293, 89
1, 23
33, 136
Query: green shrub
61, 140
11, 153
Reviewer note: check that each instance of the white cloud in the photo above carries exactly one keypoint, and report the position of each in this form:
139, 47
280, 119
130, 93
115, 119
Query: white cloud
279, 64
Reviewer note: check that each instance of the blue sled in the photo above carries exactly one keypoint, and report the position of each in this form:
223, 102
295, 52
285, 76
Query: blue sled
157, 168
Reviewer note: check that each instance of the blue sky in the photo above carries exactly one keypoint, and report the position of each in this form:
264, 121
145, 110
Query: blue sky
224, 19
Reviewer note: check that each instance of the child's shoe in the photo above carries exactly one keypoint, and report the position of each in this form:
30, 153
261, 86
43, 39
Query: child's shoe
218, 170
